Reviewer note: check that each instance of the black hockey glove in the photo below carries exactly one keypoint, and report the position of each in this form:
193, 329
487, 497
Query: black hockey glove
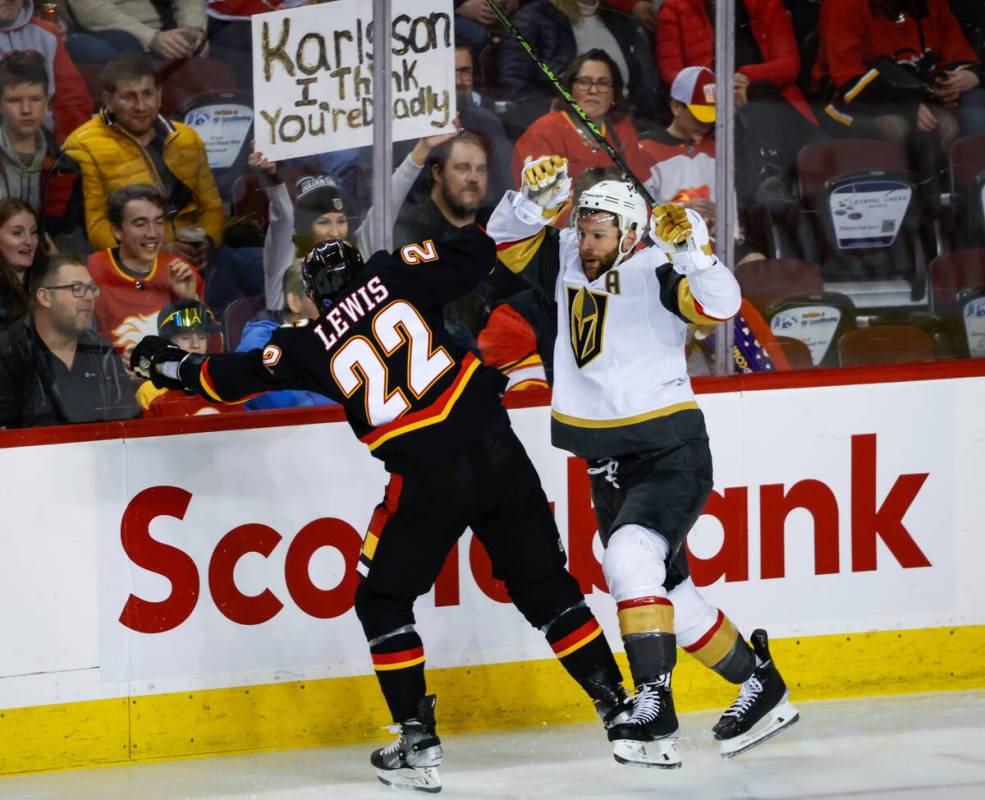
157, 360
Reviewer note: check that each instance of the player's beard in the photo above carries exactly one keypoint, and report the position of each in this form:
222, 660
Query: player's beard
604, 264
459, 209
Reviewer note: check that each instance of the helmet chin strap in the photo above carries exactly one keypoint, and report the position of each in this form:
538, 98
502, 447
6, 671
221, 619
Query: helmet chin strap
622, 255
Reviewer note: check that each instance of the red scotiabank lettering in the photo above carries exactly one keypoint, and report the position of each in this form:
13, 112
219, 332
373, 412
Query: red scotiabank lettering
179, 568
870, 523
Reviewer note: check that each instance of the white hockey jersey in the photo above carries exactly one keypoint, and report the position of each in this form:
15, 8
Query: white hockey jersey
620, 375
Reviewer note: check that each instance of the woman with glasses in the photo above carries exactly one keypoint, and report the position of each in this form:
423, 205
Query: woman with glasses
18, 248
596, 84
559, 30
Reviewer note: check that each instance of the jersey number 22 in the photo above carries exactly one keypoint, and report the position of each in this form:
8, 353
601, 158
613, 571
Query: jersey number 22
360, 362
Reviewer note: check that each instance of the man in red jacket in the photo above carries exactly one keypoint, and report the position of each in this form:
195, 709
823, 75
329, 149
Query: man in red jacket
71, 104
900, 70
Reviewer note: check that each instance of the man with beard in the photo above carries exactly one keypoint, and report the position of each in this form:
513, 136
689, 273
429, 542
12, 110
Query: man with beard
458, 171
53, 369
130, 142
475, 115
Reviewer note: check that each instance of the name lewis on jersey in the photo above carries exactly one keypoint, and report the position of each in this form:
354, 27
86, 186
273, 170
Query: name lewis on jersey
350, 309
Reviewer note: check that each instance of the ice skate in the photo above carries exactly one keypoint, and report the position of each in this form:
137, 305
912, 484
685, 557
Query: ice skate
761, 710
412, 761
614, 710
649, 737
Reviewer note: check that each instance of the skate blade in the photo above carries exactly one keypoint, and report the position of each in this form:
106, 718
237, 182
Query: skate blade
781, 717
658, 754
420, 779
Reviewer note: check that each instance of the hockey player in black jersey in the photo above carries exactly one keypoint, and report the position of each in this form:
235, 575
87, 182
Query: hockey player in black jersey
623, 401
433, 415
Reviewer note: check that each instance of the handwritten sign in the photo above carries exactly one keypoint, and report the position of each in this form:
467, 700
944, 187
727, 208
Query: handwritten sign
313, 75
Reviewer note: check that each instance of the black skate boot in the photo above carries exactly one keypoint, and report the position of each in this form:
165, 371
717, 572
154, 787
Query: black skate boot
412, 761
761, 710
607, 693
615, 708
649, 737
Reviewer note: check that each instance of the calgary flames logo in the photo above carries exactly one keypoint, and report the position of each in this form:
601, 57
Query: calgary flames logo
134, 328
586, 318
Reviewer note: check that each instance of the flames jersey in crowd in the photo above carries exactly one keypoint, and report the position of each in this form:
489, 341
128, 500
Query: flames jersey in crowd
382, 352
166, 403
681, 171
127, 308
620, 374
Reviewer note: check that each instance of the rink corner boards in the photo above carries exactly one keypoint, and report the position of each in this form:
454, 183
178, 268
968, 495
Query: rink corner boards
486, 697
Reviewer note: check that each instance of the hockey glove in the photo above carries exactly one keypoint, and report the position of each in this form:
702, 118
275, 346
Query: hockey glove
682, 234
157, 360
546, 182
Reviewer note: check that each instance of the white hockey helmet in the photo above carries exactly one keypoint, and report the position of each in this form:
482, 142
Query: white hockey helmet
622, 200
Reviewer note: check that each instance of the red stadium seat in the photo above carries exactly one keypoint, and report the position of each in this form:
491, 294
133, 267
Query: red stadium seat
967, 167
183, 80
765, 281
237, 314
797, 353
885, 344
861, 214
952, 273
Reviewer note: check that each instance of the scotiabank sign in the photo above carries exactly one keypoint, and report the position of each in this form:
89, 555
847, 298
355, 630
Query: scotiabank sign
871, 522
244, 564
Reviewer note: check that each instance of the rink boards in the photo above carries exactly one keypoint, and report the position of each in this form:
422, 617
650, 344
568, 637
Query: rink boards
183, 588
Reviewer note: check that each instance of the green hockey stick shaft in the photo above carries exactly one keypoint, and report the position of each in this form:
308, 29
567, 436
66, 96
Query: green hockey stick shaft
579, 111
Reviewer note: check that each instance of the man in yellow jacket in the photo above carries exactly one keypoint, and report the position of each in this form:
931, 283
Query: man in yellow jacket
130, 142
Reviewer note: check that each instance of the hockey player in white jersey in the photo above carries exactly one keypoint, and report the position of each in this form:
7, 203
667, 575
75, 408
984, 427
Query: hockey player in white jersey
623, 401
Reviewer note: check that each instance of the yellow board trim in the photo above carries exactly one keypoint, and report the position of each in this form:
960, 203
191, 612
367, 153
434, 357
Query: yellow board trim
474, 698
666, 411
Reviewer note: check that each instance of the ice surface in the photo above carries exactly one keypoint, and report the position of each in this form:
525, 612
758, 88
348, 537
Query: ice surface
909, 747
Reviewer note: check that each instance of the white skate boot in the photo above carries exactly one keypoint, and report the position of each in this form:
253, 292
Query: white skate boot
412, 761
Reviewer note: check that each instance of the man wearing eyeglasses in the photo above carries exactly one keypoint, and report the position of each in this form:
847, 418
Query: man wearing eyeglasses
53, 369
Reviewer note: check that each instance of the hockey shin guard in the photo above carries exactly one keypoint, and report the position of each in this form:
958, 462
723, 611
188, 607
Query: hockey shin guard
398, 659
723, 650
577, 640
647, 627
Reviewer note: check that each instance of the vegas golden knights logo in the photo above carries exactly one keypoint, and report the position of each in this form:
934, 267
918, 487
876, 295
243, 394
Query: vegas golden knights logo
586, 318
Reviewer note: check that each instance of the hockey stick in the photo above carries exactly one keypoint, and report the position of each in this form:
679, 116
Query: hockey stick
579, 111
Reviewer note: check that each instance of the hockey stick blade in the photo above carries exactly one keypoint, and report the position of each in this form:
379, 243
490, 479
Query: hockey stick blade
572, 103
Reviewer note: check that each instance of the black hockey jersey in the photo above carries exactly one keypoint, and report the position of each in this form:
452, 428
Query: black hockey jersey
382, 352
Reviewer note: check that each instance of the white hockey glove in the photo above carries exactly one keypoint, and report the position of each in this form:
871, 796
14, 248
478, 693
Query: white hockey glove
545, 181
682, 234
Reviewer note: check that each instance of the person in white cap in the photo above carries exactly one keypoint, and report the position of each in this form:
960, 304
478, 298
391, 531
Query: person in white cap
682, 156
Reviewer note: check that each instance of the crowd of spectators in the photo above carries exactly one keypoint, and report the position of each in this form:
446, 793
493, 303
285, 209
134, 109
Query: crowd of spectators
112, 224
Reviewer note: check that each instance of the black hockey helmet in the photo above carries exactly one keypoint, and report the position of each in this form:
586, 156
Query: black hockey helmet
327, 269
